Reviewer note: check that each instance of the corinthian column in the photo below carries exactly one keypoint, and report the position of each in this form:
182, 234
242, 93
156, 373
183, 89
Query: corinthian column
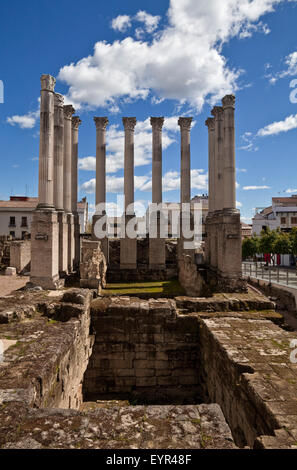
128, 257
229, 153
185, 127
129, 126
186, 222
58, 184
211, 188
58, 152
211, 164
218, 113
76, 122
44, 227
101, 124
157, 244
68, 112
46, 144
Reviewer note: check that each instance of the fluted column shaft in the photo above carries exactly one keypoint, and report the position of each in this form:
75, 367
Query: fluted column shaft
68, 112
58, 152
157, 124
218, 112
211, 164
229, 152
46, 144
185, 127
101, 124
76, 122
129, 125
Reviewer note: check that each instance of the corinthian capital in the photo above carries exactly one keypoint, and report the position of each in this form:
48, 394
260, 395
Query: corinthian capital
47, 83
59, 100
228, 101
218, 113
76, 122
129, 123
101, 122
68, 111
157, 123
210, 124
185, 123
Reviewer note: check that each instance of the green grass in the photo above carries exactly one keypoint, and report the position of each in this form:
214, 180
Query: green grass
170, 288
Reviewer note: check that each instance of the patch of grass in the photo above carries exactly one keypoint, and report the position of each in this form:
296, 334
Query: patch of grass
170, 288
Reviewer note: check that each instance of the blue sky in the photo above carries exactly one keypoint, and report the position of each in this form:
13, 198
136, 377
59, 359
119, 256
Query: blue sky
154, 58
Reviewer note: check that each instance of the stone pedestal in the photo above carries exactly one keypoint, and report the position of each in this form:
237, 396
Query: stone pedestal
128, 250
44, 250
63, 244
93, 266
71, 243
103, 241
77, 248
226, 276
157, 255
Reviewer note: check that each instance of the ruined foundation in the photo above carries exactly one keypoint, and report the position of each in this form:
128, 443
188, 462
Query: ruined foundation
221, 364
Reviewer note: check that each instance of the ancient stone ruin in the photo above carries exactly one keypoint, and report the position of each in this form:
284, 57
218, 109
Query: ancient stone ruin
87, 367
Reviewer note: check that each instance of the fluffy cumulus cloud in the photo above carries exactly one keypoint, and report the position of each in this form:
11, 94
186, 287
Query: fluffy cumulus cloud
183, 62
254, 188
279, 126
121, 23
289, 71
170, 182
25, 121
143, 145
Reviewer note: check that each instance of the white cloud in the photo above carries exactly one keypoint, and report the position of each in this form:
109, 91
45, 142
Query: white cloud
26, 121
253, 188
184, 62
150, 22
170, 182
281, 126
241, 170
121, 23
291, 191
249, 145
238, 204
290, 70
143, 145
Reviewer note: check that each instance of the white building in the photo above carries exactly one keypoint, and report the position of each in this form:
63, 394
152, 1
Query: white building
281, 214
17, 213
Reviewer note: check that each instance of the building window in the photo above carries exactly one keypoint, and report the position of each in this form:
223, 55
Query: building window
283, 220
12, 234
24, 222
293, 220
12, 221
24, 234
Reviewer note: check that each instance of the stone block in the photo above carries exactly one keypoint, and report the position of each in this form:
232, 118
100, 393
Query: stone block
10, 271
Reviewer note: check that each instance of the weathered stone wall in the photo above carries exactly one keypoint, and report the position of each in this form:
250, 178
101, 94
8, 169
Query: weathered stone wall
20, 255
46, 365
284, 299
5, 242
142, 350
246, 369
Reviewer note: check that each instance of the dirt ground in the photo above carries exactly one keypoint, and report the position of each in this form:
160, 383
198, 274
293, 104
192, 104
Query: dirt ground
10, 283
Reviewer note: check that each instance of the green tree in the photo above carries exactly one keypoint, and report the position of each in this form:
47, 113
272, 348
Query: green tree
267, 242
282, 244
250, 247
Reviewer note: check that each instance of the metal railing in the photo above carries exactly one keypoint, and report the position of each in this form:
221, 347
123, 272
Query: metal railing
272, 274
